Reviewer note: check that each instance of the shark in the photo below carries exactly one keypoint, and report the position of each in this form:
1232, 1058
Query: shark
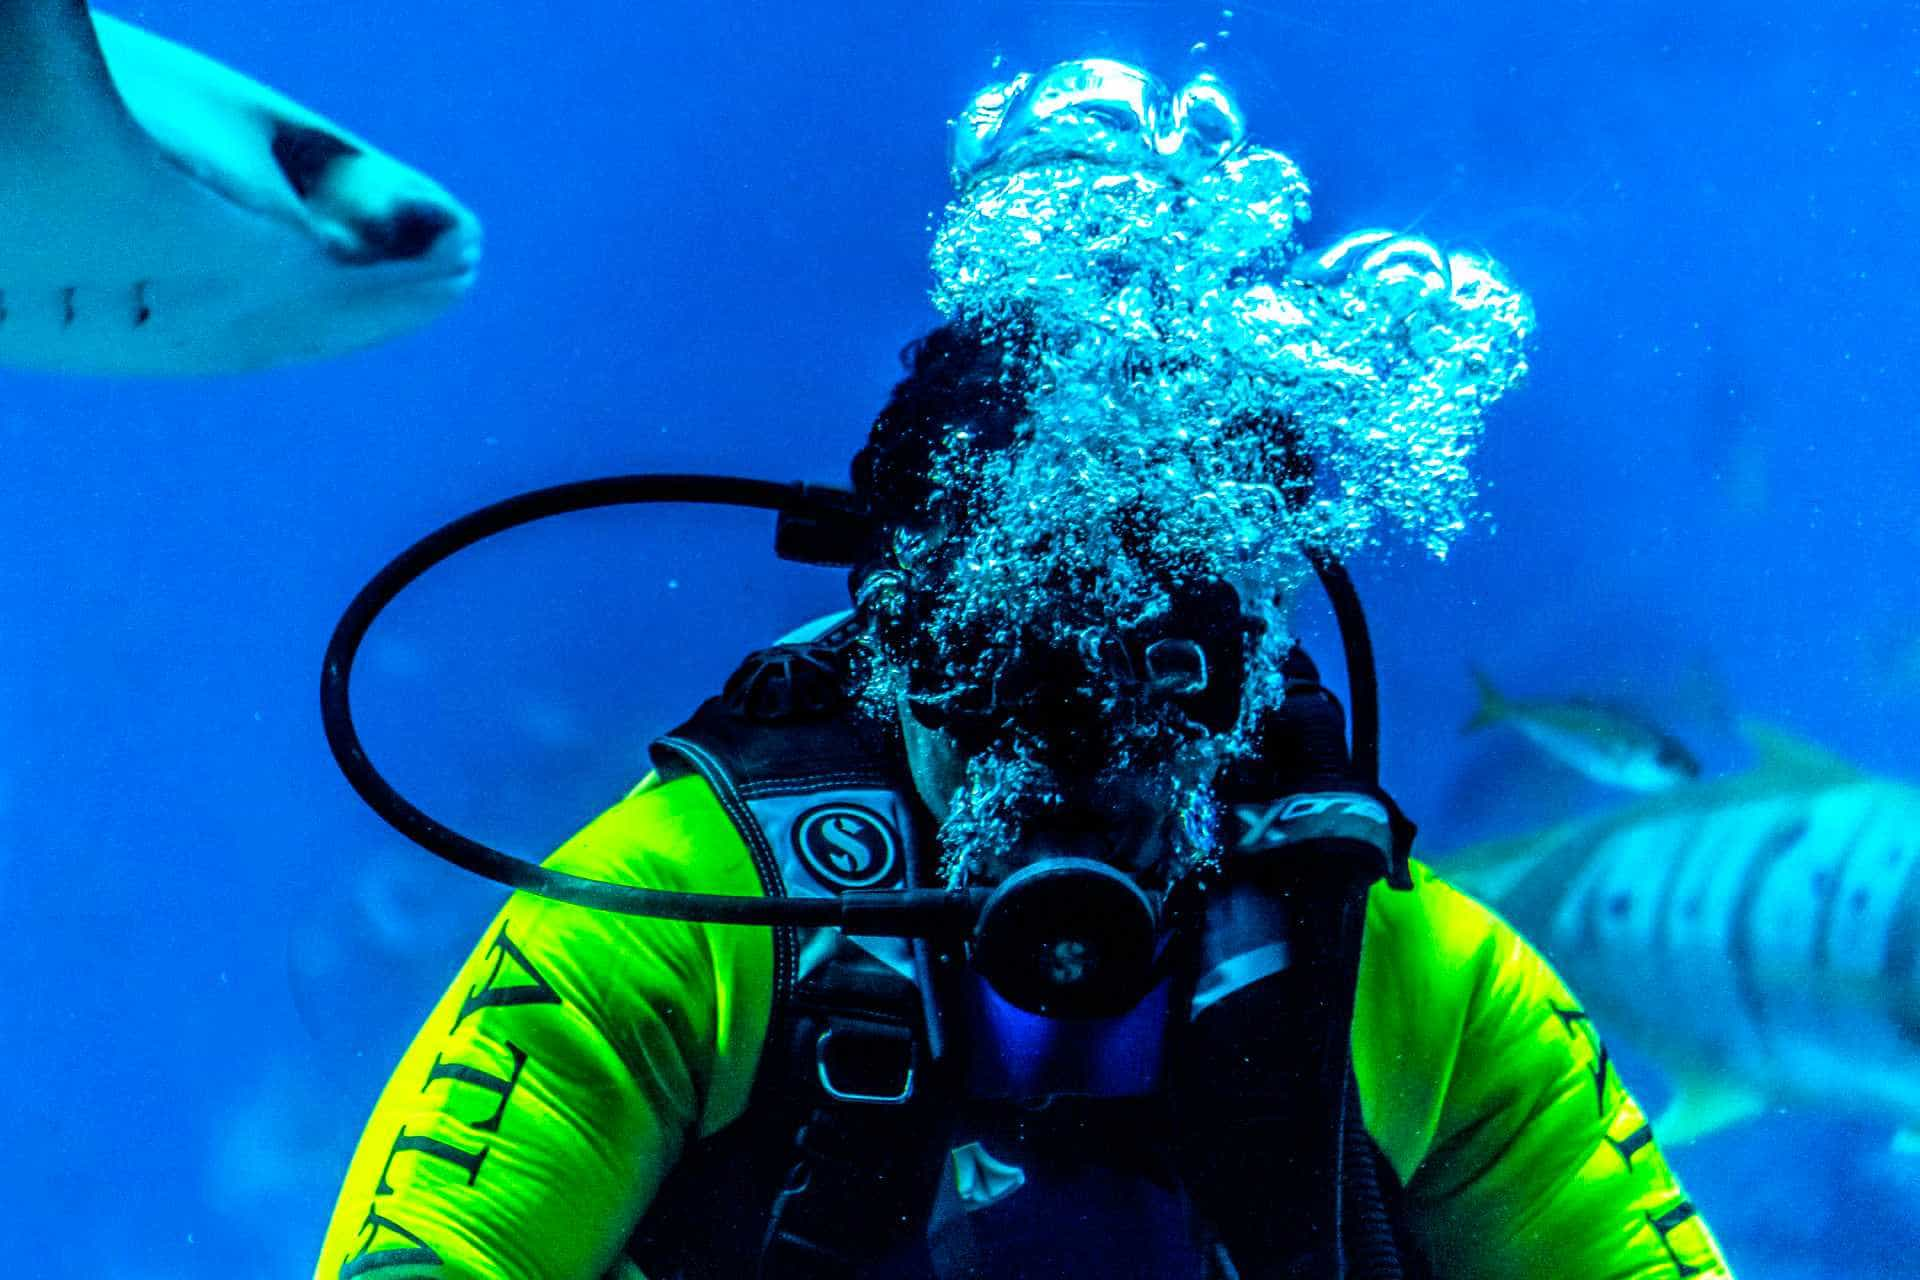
162, 214
1757, 935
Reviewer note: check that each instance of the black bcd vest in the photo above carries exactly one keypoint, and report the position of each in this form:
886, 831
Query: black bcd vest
846, 1159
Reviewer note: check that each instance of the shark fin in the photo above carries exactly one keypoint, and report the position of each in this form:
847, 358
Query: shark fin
1492, 708
1703, 1106
1781, 752
1490, 870
1906, 1142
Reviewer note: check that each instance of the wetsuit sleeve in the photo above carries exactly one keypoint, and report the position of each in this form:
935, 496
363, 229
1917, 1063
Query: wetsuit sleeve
1522, 1152
574, 1057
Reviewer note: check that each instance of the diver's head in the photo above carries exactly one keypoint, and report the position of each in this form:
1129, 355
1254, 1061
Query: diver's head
1099, 485
1054, 717
1127, 819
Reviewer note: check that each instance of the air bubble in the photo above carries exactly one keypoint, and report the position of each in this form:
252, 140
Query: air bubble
1210, 401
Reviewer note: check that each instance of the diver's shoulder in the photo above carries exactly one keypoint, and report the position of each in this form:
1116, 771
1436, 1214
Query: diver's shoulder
1437, 922
663, 830
1430, 955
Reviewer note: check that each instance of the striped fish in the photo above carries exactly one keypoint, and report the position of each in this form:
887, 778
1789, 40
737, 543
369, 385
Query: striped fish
1757, 935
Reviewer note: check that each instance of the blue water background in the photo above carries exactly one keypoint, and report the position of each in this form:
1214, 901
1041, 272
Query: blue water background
707, 229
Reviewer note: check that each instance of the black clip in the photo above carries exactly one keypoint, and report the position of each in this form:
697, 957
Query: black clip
864, 1074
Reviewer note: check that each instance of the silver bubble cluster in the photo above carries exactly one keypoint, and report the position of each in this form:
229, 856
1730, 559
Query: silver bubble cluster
1153, 254
1206, 400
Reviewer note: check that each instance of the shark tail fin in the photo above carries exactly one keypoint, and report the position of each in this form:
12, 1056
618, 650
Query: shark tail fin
1492, 708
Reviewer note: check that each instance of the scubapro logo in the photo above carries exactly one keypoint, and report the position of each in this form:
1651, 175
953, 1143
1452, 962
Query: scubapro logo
1314, 814
846, 846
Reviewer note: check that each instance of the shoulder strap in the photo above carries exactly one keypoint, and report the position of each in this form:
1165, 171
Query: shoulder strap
819, 1177
817, 788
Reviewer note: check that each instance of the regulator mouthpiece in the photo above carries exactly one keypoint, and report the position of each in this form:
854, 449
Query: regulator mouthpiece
1068, 938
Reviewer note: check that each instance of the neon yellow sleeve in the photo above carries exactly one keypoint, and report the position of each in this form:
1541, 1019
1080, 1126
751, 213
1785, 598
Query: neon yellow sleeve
575, 1055
1492, 1095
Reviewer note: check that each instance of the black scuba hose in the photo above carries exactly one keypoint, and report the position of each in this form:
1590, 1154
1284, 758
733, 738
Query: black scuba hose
1363, 688
1362, 1232
880, 912
818, 525
1372, 1251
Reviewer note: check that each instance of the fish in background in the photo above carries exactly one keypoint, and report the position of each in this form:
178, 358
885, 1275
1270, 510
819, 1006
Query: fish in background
274, 1149
1604, 743
1736, 421
1757, 936
162, 214
363, 956
1891, 656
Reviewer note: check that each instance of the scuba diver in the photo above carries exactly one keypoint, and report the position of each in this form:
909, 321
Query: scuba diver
1042, 914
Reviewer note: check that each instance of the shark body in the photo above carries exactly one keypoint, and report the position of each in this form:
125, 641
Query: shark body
1757, 935
163, 214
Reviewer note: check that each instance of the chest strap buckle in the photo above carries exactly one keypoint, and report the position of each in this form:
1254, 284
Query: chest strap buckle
872, 1063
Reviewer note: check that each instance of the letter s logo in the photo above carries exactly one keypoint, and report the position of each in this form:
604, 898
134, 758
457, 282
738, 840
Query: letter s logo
846, 846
